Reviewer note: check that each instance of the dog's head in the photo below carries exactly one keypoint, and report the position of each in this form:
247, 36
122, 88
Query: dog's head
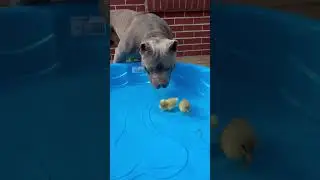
158, 57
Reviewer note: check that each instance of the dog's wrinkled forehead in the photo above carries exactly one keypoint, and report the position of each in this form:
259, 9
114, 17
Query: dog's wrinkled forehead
158, 51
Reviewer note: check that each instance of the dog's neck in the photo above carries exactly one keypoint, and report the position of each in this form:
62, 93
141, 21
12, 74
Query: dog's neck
155, 34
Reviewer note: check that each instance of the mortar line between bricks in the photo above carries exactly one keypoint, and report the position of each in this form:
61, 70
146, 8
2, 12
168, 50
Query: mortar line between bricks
186, 17
194, 44
127, 5
188, 38
194, 50
193, 31
190, 24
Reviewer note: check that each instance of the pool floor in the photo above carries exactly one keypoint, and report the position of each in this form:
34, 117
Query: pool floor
148, 144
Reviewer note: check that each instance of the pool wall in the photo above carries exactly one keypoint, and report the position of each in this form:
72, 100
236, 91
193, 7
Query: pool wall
276, 51
48, 36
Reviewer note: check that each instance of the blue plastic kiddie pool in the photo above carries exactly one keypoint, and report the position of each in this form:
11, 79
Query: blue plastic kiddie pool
266, 68
147, 143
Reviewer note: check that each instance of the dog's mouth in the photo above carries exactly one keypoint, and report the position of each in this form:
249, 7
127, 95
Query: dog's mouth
159, 83
159, 78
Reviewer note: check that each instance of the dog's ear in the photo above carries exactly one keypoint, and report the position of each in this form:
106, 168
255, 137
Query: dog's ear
145, 47
173, 44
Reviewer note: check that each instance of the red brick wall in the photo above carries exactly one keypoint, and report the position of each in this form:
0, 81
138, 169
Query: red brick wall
189, 20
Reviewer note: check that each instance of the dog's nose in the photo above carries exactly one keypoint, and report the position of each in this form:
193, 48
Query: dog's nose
163, 81
158, 86
164, 85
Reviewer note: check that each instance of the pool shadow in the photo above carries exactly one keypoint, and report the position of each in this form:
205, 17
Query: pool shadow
174, 110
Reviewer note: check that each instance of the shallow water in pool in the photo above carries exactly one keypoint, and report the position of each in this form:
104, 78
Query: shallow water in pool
147, 143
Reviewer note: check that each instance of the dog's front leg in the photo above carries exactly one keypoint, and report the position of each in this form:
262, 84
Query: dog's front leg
120, 53
118, 56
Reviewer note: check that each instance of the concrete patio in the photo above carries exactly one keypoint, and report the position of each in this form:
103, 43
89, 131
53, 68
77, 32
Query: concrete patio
201, 60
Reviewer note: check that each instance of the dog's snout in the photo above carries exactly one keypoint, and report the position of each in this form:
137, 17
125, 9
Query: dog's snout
163, 81
159, 80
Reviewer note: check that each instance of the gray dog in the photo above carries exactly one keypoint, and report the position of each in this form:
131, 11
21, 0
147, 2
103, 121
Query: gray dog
151, 37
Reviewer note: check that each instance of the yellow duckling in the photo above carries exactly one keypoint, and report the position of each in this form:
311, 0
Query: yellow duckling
213, 121
168, 104
238, 140
184, 106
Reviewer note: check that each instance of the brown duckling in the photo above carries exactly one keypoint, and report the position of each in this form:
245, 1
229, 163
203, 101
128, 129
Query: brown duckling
184, 106
168, 104
238, 140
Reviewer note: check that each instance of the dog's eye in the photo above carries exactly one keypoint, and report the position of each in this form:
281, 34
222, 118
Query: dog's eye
170, 68
146, 69
160, 67
167, 69
151, 69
